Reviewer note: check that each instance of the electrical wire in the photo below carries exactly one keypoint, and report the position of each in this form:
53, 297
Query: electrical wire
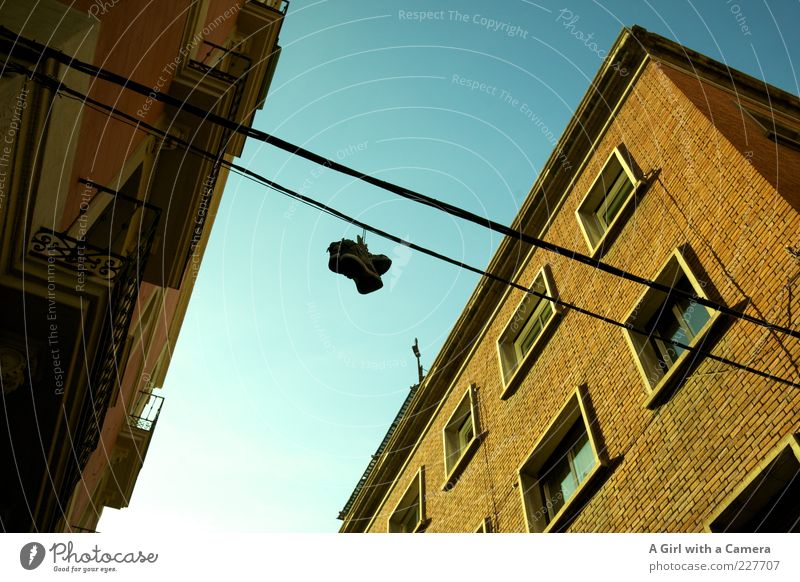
127, 83
60, 88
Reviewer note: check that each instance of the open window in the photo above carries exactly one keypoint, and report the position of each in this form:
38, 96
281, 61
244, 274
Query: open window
409, 515
461, 436
664, 319
602, 209
768, 499
563, 463
527, 330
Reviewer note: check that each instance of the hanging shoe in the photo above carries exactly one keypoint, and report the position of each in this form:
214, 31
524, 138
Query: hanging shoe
382, 263
354, 261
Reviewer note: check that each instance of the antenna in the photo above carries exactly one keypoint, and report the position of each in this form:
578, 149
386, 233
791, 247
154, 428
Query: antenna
415, 349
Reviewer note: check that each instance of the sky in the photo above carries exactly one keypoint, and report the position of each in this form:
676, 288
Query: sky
284, 379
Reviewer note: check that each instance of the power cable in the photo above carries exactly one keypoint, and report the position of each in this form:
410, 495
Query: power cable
125, 82
245, 172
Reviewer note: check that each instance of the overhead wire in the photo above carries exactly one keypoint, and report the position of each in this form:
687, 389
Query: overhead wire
406, 193
140, 125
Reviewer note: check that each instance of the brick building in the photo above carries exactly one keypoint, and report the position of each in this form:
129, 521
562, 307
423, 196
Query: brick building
537, 417
103, 229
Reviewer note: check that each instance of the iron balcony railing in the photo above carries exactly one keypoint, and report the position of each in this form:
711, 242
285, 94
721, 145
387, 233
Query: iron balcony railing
145, 412
220, 62
107, 365
75, 254
78, 254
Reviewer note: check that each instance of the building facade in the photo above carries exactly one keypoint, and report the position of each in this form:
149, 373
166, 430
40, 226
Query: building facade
668, 415
103, 226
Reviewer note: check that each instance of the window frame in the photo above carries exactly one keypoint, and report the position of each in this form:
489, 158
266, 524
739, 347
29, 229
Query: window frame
415, 489
451, 435
790, 443
586, 213
508, 337
485, 526
529, 481
646, 306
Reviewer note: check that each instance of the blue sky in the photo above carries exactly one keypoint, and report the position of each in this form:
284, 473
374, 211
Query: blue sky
285, 379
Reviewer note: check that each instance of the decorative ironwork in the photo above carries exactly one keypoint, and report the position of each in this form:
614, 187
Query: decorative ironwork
106, 373
76, 254
146, 410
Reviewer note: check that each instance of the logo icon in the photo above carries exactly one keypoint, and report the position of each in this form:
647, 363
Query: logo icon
31, 555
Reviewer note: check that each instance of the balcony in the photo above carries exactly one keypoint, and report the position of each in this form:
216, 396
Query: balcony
280, 6
93, 246
127, 456
127, 227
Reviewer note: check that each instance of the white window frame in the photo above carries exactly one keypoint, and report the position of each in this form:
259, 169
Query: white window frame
657, 378
507, 350
453, 466
789, 444
534, 506
415, 489
594, 233
485, 526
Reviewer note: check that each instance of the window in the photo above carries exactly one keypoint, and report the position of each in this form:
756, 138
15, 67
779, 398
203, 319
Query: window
666, 318
776, 129
601, 208
485, 526
768, 501
561, 466
409, 515
460, 436
527, 329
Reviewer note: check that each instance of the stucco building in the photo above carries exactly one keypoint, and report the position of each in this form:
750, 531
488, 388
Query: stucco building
103, 228
538, 417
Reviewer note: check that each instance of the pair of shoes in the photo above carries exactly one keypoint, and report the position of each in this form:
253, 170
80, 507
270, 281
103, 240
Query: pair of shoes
354, 261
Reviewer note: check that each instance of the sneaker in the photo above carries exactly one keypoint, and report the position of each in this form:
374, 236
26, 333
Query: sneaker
354, 261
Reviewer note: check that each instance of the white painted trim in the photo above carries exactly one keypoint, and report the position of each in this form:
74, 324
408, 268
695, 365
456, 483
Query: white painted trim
581, 213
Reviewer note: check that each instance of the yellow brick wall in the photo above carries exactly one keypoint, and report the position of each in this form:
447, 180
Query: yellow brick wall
671, 465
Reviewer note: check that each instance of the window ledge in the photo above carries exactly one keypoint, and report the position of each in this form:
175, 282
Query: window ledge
565, 510
670, 377
452, 477
522, 369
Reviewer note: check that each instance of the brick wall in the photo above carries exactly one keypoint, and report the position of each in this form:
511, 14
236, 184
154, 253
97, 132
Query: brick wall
671, 465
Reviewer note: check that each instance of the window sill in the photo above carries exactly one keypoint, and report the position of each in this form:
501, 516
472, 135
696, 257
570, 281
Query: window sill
455, 472
670, 377
565, 510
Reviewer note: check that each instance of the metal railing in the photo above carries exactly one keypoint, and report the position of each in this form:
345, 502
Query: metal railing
220, 62
75, 254
108, 367
146, 411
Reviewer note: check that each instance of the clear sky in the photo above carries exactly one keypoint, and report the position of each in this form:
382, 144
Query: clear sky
285, 379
